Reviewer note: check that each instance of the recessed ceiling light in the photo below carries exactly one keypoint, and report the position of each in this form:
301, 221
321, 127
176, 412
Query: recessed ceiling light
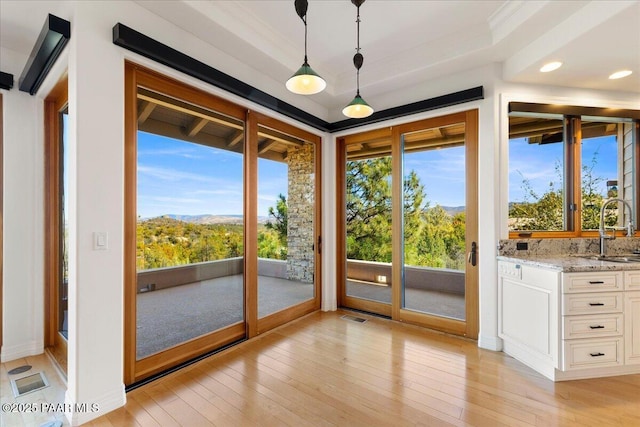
620, 74
551, 66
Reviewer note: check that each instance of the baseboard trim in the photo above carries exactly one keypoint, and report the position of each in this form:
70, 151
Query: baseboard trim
490, 343
78, 413
9, 353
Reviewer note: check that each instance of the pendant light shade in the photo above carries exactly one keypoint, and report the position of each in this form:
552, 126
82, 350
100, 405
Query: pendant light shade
358, 108
305, 81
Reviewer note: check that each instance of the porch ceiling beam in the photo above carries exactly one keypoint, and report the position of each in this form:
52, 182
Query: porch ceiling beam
192, 110
145, 111
237, 136
196, 126
265, 146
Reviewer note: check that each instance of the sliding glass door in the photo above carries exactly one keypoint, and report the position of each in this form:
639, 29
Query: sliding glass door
410, 223
221, 208
190, 229
368, 222
288, 232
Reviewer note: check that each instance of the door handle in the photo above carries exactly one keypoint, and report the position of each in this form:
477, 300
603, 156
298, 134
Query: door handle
473, 255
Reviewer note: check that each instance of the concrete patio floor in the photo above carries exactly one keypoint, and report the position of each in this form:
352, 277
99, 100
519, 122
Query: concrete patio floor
440, 303
170, 316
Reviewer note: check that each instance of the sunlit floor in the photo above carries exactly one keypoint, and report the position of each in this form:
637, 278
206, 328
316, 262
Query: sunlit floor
38, 407
171, 316
444, 304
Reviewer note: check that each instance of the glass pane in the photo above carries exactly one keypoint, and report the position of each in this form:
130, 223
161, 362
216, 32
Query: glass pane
63, 287
536, 164
286, 221
190, 222
368, 220
434, 221
600, 175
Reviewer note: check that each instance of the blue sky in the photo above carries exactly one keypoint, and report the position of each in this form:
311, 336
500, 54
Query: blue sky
442, 172
176, 177
537, 163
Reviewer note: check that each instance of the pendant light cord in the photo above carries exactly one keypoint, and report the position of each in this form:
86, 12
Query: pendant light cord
304, 19
358, 49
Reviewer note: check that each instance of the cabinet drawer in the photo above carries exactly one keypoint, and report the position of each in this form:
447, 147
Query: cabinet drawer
603, 325
593, 353
592, 303
592, 282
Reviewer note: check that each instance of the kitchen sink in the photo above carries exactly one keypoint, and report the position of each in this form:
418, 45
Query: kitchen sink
614, 258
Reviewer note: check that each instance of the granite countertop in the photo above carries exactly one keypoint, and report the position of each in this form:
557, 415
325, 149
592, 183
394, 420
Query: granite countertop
572, 263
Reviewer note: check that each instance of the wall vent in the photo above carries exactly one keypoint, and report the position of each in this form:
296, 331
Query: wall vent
353, 318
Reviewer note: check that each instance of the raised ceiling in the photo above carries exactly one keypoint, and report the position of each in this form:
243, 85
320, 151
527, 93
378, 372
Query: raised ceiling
405, 43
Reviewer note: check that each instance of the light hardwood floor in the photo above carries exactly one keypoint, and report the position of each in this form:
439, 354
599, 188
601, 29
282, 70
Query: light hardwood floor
51, 395
325, 370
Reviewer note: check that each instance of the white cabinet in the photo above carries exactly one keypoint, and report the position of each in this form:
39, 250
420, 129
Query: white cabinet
528, 314
570, 325
632, 327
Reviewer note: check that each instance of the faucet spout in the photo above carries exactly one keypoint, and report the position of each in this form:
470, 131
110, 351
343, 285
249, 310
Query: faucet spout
603, 231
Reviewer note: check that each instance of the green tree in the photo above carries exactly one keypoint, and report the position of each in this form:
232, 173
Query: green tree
279, 215
368, 209
545, 211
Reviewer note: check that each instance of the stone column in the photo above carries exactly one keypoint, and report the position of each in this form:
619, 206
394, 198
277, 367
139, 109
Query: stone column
300, 210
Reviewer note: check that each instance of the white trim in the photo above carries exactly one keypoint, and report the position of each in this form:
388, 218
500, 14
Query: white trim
96, 408
490, 343
30, 348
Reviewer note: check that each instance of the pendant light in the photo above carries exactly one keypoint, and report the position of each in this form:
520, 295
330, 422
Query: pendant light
305, 81
358, 108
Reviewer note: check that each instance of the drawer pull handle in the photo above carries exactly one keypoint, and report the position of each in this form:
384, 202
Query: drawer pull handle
597, 327
596, 282
596, 354
594, 304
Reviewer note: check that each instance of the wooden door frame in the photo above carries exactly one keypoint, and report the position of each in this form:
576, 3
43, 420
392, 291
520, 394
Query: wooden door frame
469, 327
136, 370
290, 313
345, 300
54, 103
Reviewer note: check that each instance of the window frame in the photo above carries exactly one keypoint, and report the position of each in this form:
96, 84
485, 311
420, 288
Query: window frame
572, 165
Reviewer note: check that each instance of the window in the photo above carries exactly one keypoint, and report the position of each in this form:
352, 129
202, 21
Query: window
564, 162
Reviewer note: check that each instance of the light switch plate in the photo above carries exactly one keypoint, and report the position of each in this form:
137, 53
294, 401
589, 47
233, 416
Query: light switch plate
100, 240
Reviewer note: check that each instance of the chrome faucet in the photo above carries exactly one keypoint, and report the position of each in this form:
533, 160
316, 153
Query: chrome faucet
603, 231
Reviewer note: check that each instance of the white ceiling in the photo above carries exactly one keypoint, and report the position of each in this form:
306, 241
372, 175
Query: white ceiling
404, 43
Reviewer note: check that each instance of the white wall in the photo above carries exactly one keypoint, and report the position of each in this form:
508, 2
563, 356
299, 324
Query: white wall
96, 68
22, 310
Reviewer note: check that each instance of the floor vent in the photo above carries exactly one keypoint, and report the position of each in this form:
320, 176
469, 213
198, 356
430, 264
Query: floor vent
24, 385
353, 318
19, 369
52, 424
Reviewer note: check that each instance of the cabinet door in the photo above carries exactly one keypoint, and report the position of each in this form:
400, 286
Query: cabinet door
528, 312
632, 280
632, 327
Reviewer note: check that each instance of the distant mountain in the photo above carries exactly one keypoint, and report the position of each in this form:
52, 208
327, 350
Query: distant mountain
211, 219
453, 210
